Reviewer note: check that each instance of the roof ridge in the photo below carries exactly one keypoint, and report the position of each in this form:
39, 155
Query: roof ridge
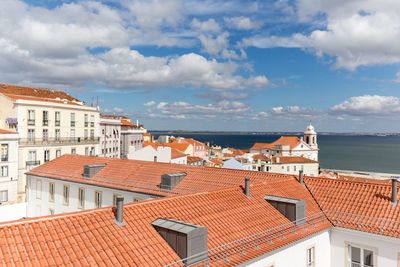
369, 182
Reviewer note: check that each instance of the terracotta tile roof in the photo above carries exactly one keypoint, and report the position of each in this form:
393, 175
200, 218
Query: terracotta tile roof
145, 176
239, 228
260, 157
193, 159
358, 205
291, 159
216, 161
177, 154
4, 131
188, 141
15, 92
291, 141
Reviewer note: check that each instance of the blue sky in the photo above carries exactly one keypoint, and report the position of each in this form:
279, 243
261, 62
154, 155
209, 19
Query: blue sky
214, 65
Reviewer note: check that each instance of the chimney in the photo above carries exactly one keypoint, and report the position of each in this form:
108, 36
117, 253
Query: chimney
90, 170
277, 160
119, 211
394, 192
247, 187
137, 123
301, 177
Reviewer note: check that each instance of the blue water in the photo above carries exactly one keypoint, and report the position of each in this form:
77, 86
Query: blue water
361, 153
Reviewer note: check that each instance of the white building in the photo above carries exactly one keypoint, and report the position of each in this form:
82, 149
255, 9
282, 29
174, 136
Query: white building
285, 165
158, 153
237, 163
306, 146
132, 137
110, 137
49, 123
8, 166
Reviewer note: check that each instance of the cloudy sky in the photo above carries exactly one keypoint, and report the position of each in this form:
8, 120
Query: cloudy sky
214, 65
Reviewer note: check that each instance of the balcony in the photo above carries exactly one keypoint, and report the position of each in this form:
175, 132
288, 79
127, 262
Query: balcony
45, 122
33, 163
4, 158
86, 124
57, 123
73, 123
31, 122
92, 124
58, 141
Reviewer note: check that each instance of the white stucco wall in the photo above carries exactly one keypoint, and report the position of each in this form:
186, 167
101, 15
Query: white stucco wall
10, 181
310, 169
40, 205
234, 164
295, 254
12, 212
386, 249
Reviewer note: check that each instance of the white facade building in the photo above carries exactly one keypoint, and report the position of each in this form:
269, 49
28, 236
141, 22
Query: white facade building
234, 163
110, 137
46, 196
8, 166
153, 152
131, 137
49, 124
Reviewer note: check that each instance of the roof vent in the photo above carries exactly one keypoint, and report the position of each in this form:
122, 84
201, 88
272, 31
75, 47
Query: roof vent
247, 187
189, 241
119, 211
301, 177
394, 192
293, 209
90, 170
170, 180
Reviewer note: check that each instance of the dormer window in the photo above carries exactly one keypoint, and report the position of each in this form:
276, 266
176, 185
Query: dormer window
293, 209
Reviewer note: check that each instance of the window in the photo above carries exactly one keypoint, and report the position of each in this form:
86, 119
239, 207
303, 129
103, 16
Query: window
92, 151
92, 134
57, 135
31, 134
51, 211
38, 189
51, 192
287, 168
360, 257
72, 119
294, 168
46, 155
66, 195
155, 158
86, 120
311, 257
73, 151
45, 118
81, 198
86, 151
4, 152
31, 117
45, 135
3, 196
85, 134
91, 120
57, 118
58, 153
4, 171
97, 199
72, 134
32, 155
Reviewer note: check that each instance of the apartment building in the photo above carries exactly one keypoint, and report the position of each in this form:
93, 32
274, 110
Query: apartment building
131, 137
285, 165
159, 153
110, 137
218, 217
8, 166
49, 123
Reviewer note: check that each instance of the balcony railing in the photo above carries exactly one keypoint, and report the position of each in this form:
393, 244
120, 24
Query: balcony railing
62, 140
33, 163
31, 122
73, 123
86, 124
45, 122
4, 158
57, 123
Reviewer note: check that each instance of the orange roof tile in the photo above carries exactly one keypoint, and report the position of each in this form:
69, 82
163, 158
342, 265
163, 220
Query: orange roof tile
3, 131
291, 141
35, 92
358, 205
291, 159
239, 229
260, 157
177, 154
145, 176
193, 159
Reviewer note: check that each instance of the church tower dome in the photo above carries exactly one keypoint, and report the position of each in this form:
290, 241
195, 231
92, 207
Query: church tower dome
310, 137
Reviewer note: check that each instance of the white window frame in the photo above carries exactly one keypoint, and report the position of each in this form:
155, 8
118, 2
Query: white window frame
98, 199
81, 198
66, 195
348, 246
4, 171
3, 196
58, 153
310, 261
52, 190
39, 189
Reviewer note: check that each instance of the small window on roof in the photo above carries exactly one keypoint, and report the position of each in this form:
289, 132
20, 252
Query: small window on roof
293, 209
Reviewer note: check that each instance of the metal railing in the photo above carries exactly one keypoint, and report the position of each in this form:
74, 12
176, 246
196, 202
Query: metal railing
59, 140
45, 122
31, 122
4, 158
32, 162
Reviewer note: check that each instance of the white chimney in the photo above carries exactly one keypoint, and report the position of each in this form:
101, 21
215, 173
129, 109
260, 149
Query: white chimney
277, 160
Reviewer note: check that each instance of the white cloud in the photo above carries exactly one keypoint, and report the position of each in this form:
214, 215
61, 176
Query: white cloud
185, 110
115, 110
241, 23
368, 105
356, 33
209, 25
149, 104
295, 111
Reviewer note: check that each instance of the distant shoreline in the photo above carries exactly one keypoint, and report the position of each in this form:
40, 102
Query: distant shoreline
171, 132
